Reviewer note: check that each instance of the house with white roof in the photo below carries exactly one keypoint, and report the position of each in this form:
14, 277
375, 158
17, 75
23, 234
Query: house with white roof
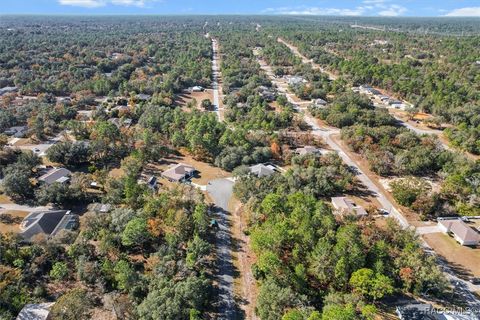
343, 205
462, 233
179, 172
262, 170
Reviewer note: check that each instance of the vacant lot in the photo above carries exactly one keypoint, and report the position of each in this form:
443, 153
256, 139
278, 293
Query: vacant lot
185, 97
206, 171
10, 220
464, 259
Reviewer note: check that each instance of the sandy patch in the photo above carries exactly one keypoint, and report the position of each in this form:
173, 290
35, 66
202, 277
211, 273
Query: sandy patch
16, 216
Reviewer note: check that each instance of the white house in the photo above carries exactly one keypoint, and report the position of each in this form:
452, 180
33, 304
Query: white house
345, 205
461, 232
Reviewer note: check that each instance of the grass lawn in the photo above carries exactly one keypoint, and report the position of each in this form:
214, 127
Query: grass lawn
465, 259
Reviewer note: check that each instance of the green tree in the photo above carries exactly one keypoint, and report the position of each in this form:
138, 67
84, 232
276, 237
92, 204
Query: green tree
125, 276
59, 271
73, 305
136, 233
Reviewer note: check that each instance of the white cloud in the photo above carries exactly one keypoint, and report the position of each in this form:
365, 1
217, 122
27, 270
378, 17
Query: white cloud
83, 3
101, 3
371, 8
465, 12
317, 11
393, 11
374, 1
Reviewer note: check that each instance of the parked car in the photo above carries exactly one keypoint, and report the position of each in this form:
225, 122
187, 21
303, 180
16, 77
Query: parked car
385, 212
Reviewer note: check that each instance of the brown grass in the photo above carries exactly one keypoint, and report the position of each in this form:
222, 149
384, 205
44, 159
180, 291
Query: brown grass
465, 259
14, 227
206, 171
245, 287
5, 199
184, 98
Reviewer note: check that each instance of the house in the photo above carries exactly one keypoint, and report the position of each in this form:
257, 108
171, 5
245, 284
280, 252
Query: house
47, 223
143, 97
35, 311
121, 109
295, 80
307, 150
179, 172
60, 175
417, 311
17, 132
64, 99
461, 232
127, 122
262, 170
7, 90
266, 93
320, 102
345, 205
100, 207
384, 98
366, 89
198, 89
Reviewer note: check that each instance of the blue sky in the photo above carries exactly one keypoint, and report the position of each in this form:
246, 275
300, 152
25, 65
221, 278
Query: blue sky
307, 7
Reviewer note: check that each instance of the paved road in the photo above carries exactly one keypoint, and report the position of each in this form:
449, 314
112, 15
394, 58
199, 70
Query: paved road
325, 133
305, 60
464, 288
42, 147
216, 74
221, 191
406, 124
18, 207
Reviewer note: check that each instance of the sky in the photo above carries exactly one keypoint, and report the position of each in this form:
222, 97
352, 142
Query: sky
271, 7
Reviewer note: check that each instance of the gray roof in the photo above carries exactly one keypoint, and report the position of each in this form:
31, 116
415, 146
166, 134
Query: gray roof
178, 172
307, 150
143, 96
345, 204
38, 311
7, 89
56, 175
41, 222
261, 170
461, 230
68, 222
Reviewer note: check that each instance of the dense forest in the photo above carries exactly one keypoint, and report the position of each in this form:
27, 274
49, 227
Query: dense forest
103, 94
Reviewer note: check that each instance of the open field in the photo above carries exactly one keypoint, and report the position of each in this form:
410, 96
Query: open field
185, 97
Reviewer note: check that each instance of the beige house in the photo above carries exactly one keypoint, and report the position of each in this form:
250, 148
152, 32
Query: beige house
461, 232
307, 150
179, 172
344, 205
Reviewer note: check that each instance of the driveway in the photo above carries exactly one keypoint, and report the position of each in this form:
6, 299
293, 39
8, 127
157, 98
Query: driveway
221, 191
18, 207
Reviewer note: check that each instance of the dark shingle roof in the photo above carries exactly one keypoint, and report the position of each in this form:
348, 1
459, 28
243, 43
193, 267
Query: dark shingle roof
41, 222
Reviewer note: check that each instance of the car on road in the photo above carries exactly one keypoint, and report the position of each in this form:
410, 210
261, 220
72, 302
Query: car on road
383, 212
36, 150
474, 280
